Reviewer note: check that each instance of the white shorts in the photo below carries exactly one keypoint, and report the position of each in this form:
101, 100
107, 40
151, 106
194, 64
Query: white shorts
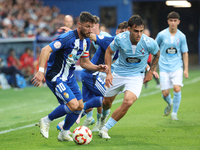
168, 79
133, 84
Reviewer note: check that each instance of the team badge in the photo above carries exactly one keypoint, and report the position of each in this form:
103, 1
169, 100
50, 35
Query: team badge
57, 45
142, 51
66, 95
84, 47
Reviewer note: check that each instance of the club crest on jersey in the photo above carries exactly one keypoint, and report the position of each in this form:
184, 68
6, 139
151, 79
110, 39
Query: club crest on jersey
84, 48
101, 37
57, 44
177, 41
66, 95
142, 51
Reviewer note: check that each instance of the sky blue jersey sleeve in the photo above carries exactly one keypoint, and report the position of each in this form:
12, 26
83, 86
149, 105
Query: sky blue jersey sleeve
158, 39
154, 47
114, 45
184, 47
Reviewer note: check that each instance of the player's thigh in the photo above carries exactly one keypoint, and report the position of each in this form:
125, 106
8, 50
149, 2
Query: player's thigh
118, 85
62, 91
129, 98
73, 85
177, 77
165, 81
134, 85
93, 85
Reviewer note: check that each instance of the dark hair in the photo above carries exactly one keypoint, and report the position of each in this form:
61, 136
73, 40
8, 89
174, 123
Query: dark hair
97, 20
135, 20
174, 15
86, 17
123, 25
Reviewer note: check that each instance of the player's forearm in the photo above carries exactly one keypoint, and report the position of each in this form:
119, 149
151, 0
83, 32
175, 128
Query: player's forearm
44, 55
108, 59
86, 64
154, 62
185, 60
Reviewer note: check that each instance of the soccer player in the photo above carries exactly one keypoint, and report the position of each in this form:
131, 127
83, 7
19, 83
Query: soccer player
95, 30
93, 86
63, 53
134, 48
173, 45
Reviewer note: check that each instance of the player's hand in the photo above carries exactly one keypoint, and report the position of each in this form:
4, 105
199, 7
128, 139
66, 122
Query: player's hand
65, 28
108, 80
155, 74
38, 78
186, 74
148, 76
103, 68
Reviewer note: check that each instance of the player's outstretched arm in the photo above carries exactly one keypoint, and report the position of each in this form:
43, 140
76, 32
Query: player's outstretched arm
185, 62
154, 63
108, 62
39, 76
65, 28
93, 37
86, 64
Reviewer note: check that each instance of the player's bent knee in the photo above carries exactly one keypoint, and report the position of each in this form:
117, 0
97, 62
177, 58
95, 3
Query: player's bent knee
73, 105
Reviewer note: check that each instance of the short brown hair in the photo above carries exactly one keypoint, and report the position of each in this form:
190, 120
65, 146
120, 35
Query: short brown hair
123, 25
97, 20
135, 20
174, 15
86, 17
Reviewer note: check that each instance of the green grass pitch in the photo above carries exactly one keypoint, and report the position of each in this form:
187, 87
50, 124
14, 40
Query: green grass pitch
144, 127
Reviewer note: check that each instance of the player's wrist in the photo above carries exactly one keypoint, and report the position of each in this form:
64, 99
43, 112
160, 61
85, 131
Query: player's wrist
41, 69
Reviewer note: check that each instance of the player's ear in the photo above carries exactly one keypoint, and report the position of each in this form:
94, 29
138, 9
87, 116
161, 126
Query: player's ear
129, 28
79, 23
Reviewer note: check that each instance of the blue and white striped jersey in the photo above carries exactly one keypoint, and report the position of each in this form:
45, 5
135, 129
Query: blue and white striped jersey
67, 49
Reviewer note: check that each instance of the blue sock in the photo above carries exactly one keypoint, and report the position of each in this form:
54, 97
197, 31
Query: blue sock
167, 99
93, 102
176, 101
110, 123
60, 111
105, 112
90, 114
70, 119
98, 117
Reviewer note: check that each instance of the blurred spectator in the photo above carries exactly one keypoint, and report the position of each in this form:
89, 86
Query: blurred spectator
12, 59
26, 60
13, 72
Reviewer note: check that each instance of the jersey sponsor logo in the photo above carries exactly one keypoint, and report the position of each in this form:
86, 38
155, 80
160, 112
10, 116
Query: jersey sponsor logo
57, 45
133, 60
101, 37
76, 48
171, 51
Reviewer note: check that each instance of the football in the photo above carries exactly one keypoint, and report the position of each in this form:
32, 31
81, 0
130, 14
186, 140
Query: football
82, 135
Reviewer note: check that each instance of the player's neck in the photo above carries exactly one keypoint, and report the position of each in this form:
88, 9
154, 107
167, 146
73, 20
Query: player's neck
172, 31
81, 37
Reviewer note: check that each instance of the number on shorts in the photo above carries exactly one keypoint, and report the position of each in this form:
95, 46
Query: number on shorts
61, 87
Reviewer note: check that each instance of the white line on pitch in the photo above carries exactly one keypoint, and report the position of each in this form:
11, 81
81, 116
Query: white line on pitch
115, 102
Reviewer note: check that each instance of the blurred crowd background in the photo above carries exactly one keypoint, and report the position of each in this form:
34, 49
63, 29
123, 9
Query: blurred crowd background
28, 25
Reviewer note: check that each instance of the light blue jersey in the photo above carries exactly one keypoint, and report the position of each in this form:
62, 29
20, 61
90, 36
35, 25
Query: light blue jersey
171, 49
100, 34
132, 60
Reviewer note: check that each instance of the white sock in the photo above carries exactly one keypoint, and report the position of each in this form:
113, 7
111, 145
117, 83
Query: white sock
47, 120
